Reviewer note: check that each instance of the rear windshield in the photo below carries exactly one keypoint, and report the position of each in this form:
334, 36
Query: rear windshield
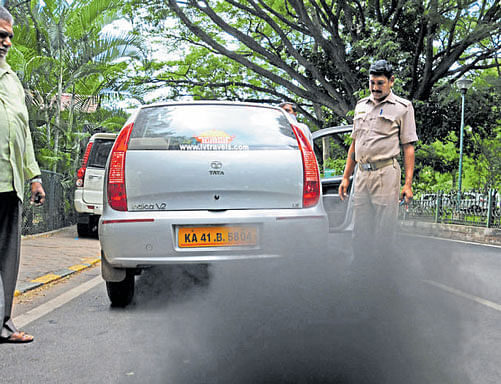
211, 128
99, 153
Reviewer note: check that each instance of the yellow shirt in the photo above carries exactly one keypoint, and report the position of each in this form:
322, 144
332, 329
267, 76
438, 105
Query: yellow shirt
380, 128
17, 157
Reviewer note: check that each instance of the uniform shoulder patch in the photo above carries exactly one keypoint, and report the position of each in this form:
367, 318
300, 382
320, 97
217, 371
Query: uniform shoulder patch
361, 107
363, 100
402, 101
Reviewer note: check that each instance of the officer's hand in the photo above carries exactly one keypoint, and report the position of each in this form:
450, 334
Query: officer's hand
37, 194
343, 188
406, 194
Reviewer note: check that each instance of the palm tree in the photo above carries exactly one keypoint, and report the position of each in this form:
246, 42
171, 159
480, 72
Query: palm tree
60, 49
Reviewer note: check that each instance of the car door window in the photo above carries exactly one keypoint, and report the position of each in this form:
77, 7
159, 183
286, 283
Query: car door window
331, 151
331, 148
99, 154
211, 128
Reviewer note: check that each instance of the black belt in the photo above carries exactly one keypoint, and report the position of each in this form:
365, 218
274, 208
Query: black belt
375, 165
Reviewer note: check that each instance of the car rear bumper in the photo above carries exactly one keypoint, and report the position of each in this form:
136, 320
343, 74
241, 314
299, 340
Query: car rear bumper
140, 239
82, 207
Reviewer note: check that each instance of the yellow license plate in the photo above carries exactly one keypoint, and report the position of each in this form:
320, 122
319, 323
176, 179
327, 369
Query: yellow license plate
212, 236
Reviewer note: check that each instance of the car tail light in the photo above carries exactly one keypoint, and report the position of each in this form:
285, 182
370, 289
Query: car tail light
117, 196
81, 171
311, 175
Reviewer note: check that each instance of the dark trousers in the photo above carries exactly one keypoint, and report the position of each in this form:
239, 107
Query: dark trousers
10, 243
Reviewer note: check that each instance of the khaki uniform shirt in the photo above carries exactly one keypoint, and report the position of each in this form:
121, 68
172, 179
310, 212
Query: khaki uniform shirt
17, 157
380, 128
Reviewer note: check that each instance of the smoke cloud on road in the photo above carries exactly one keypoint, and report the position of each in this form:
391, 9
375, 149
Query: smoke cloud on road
307, 318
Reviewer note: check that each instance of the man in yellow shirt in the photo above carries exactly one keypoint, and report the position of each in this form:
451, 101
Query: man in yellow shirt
17, 163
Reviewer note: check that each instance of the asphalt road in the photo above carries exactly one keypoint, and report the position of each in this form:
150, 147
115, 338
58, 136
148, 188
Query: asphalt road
434, 316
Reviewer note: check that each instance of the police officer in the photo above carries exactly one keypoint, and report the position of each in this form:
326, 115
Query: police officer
382, 123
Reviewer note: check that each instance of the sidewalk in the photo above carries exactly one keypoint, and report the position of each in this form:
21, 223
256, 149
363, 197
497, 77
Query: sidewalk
50, 256
481, 235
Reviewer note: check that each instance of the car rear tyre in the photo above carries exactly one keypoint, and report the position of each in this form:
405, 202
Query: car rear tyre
121, 293
94, 226
83, 229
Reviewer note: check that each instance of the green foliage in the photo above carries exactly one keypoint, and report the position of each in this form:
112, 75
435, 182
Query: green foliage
439, 121
335, 165
315, 53
484, 171
114, 122
46, 158
65, 61
431, 180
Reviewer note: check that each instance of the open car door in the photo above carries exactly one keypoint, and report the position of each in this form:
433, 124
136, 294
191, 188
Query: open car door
331, 148
2, 304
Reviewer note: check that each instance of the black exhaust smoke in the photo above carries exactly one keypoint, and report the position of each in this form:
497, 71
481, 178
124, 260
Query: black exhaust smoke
307, 318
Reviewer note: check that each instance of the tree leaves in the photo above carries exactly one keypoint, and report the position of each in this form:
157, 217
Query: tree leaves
61, 53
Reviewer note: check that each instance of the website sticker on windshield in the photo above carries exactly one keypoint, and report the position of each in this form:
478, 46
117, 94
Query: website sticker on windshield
214, 140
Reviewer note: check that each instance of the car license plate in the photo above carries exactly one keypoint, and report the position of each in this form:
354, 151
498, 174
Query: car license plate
217, 236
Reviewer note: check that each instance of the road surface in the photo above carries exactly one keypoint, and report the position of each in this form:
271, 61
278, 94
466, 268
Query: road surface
434, 317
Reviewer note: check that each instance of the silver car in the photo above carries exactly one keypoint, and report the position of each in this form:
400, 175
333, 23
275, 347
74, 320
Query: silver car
202, 182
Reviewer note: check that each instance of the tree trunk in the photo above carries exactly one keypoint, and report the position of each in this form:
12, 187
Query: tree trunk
76, 147
58, 117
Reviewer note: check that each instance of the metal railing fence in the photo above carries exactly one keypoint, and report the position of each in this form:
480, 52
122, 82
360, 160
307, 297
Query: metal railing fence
467, 208
58, 210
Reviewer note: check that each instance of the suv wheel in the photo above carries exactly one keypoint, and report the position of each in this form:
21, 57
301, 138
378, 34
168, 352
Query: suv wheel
83, 229
89, 229
94, 226
121, 293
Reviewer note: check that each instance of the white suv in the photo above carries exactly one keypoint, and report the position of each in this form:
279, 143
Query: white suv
90, 177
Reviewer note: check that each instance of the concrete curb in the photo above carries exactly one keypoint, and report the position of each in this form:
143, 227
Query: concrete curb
46, 234
51, 277
481, 235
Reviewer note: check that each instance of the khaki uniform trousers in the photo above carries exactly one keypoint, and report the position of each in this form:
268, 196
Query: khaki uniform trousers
375, 205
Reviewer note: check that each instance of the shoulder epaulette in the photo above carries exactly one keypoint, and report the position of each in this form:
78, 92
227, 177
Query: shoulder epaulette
402, 101
363, 100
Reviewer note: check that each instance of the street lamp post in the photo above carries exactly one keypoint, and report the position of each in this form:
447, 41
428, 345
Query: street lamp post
463, 84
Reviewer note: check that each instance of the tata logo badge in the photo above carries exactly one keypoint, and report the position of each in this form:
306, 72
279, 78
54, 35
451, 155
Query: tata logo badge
216, 168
